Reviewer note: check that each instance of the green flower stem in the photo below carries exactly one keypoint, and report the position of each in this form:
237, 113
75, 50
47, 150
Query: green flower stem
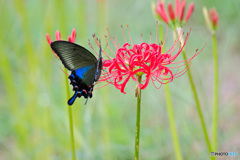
215, 102
101, 23
170, 110
172, 123
63, 21
70, 118
197, 102
138, 122
198, 108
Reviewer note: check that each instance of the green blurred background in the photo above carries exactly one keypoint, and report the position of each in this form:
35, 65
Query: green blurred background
34, 120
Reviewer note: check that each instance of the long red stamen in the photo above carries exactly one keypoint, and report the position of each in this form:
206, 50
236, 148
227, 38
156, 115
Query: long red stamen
129, 35
63, 71
112, 39
165, 36
123, 34
150, 37
156, 31
109, 46
101, 86
114, 42
117, 41
96, 39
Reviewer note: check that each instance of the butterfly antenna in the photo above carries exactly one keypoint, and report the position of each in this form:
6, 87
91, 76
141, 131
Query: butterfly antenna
100, 49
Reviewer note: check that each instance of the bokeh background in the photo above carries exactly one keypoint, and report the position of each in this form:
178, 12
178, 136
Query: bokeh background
34, 120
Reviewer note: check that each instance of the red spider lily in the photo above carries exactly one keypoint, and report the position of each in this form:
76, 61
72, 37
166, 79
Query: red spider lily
175, 16
58, 37
146, 60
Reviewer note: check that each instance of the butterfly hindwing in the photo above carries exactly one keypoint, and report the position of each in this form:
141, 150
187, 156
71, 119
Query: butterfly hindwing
72, 55
87, 74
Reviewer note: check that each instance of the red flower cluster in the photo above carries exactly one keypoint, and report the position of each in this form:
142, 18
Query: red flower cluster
71, 38
177, 16
145, 60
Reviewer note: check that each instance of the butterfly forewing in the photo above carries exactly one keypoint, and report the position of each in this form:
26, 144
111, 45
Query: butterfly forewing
72, 55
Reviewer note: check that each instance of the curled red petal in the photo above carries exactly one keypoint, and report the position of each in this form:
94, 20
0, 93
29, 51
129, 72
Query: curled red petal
171, 12
124, 84
58, 35
69, 39
189, 12
48, 39
147, 82
161, 11
73, 35
182, 10
177, 7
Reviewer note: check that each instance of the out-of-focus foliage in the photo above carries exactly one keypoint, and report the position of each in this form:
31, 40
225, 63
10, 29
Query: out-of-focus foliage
33, 111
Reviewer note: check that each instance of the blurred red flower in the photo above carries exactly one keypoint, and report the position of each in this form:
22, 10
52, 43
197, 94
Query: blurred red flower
71, 38
177, 15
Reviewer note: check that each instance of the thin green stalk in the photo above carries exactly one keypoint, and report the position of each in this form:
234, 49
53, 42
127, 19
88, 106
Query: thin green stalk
138, 121
197, 102
198, 106
60, 4
215, 102
70, 118
199, 109
172, 123
101, 23
170, 110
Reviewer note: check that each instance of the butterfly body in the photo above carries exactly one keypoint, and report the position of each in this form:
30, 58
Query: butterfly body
86, 69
